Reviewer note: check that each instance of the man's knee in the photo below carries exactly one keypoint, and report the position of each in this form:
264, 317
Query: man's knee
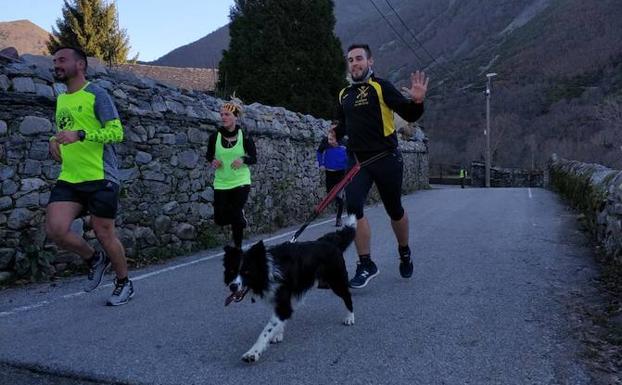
104, 229
396, 213
356, 210
55, 232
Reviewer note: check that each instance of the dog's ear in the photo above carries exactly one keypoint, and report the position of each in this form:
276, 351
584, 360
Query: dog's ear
259, 246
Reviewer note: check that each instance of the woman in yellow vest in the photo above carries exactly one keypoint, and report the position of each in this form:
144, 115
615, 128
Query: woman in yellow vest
230, 151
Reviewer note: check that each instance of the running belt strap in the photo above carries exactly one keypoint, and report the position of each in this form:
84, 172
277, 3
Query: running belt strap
372, 159
338, 187
335, 190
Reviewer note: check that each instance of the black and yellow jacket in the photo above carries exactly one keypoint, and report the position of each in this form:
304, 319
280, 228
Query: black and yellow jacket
365, 115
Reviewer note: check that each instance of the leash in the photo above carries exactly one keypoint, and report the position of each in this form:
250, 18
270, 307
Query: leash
336, 190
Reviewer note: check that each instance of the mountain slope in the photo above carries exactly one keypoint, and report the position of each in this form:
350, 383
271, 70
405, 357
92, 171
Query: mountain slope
448, 28
205, 52
558, 63
24, 35
557, 91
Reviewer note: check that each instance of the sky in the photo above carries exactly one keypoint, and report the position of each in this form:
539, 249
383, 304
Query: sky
155, 27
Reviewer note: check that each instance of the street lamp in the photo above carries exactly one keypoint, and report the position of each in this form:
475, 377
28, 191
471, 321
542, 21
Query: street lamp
489, 77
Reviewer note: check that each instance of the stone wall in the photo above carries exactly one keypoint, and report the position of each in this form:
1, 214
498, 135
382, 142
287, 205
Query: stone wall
596, 191
506, 177
198, 79
166, 196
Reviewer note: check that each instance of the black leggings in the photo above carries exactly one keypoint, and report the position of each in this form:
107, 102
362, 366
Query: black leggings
386, 173
332, 178
228, 210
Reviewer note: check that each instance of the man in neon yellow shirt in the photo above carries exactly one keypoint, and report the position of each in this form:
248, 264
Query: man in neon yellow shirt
88, 125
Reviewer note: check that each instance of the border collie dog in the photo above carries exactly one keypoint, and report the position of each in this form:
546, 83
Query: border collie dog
283, 273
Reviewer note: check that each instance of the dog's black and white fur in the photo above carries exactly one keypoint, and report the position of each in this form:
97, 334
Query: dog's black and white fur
283, 273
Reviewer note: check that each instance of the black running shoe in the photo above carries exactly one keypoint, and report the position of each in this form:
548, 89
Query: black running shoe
406, 264
406, 267
365, 271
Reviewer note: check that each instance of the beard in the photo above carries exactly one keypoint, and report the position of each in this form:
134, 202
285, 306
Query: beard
62, 75
360, 77
59, 76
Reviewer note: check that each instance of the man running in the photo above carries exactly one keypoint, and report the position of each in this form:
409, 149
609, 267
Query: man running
88, 124
365, 112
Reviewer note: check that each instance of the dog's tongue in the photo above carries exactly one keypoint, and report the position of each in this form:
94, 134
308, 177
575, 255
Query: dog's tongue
236, 296
229, 299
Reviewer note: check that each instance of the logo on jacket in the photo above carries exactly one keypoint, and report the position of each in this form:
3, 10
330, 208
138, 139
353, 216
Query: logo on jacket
362, 98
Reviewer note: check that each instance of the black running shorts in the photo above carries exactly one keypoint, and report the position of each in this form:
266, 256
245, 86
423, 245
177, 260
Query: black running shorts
99, 198
386, 173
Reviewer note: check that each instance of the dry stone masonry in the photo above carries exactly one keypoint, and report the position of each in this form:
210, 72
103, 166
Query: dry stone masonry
596, 191
166, 195
505, 177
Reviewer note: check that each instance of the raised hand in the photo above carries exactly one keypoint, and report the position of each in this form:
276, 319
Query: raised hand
418, 86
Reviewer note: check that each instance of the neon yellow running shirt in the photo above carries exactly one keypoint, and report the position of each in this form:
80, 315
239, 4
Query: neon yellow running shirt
90, 109
226, 177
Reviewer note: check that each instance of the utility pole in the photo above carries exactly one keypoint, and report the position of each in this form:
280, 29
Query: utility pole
489, 76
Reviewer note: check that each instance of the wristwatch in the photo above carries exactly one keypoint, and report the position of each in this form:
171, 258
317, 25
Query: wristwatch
81, 135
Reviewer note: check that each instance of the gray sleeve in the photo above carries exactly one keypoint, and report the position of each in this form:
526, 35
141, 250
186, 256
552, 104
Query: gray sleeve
105, 109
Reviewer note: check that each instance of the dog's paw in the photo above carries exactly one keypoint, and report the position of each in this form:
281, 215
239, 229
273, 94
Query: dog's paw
277, 338
349, 320
251, 356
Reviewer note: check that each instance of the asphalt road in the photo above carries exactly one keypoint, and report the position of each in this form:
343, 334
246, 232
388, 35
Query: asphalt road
487, 305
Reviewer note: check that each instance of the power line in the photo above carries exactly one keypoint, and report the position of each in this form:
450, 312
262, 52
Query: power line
406, 43
443, 68
399, 35
450, 73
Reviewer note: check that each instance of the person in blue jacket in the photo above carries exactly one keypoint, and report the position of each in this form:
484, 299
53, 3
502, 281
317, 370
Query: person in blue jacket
333, 160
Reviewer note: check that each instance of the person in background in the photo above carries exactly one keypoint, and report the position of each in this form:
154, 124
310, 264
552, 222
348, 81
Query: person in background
230, 151
333, 160
463, 175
